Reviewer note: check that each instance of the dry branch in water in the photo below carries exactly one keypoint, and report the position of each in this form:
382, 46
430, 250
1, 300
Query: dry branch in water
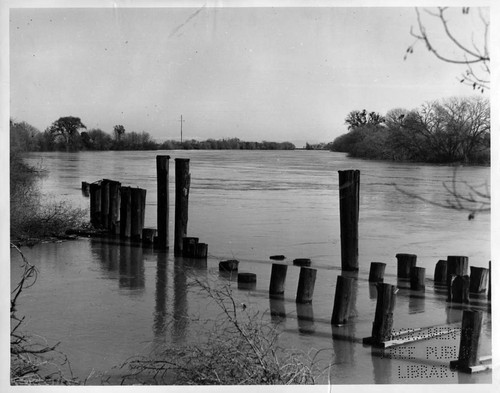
32, 360
242, 349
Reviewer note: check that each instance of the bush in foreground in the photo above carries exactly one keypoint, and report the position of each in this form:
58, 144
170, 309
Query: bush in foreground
33, 216
242, 349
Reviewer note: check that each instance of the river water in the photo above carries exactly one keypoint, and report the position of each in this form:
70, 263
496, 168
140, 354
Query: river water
105, 301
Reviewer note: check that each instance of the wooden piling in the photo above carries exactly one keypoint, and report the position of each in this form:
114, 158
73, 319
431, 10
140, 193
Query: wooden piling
95, 204
302, 262
417, 278
384, 313
114, 206
182, 184
469, 340
201, 251
305, 288
377, 270
349, 217
162, 210
85, 189
105, 203
125, 212
457, 265
189, 244
478, 279
148, 235
138, 208
278, 277
229, 265
342, 301
405, 263
440, 272
458, 291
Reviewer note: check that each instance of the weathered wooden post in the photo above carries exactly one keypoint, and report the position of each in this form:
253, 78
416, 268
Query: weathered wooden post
305, 288
148, 235
114, 207
95, 204
229, 265
469, 340
85, 189
440, 272
384, 314
349, 217
247, 280
457, 265
182, 184
417, 278
342, 301
377, 270
458, 291
405, 263
201, 250
138, 207
125, 212
478, 279
305, 318
189, 246
278, 277
105, 203
162, 211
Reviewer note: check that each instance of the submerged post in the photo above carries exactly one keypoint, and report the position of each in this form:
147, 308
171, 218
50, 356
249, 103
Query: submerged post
182, 183
95, 204
349, 217
458, 290
417, 278
469, 340
138, 208
478, 279
125, 212
405, 263
457, 265
114, 207
384, 313
162, 213
440, 272
343, 300
305, 289
105, 203
278, 277
377, 270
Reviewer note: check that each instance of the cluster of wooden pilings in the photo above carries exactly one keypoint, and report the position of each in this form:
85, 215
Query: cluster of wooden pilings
120, 211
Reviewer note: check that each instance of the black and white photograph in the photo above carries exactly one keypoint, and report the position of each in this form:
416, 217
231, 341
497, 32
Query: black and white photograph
255, 193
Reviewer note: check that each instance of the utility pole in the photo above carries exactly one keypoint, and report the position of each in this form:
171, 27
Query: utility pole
182, 121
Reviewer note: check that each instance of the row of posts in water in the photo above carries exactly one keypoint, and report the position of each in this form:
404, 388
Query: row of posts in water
451, 272
121, 210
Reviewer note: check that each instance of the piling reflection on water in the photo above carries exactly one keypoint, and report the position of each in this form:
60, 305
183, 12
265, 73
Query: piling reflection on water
305, 318
160, 316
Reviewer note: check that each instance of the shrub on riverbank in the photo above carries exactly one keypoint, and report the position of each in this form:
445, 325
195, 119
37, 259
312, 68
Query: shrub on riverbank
34, 216
242, 349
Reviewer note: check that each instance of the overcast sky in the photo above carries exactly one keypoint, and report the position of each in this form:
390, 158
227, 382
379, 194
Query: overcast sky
253, 73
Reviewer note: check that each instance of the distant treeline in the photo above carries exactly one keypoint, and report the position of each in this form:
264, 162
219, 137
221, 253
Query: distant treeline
70, 134
454, 130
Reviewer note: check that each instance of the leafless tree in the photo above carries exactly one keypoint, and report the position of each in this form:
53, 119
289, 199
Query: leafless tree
472, 52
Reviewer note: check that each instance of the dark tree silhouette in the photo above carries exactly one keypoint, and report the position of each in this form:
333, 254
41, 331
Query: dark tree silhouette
67, 127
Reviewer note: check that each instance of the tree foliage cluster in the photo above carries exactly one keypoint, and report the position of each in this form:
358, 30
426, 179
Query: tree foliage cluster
70, 134
453, 130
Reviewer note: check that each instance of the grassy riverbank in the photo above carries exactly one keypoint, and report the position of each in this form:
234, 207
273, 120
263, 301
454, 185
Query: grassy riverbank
34, 216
